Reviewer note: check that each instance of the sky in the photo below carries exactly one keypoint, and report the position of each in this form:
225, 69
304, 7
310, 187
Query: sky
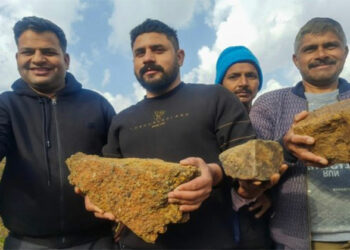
99, 46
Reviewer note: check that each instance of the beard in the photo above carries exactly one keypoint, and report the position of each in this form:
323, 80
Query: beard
157, 85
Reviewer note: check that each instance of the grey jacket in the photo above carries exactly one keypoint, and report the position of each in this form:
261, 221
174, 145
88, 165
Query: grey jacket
272, 115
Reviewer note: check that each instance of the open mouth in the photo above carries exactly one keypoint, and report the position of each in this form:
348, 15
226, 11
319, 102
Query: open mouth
150, 72
40, 71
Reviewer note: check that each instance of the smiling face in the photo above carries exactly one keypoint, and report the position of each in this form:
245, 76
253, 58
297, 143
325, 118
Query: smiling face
320, 59
243, 80
156, 63
41, 61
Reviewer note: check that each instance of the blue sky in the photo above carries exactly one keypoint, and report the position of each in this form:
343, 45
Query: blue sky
99, 46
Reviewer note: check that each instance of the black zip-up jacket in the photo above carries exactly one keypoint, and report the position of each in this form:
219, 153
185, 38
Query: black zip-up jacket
37, 135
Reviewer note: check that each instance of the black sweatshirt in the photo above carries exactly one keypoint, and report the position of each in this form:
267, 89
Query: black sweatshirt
192, 120
37, 134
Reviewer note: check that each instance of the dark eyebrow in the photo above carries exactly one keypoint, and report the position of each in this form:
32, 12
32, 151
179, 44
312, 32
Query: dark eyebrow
333, 43
235, 74
307, 47
139, 50
157, 46
251, 73
41, 49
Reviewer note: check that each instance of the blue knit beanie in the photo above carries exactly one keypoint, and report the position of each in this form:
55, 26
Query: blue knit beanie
232, 55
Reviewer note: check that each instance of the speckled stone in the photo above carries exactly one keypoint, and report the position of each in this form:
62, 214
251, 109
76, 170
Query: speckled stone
255, 159
134, 190
330, 126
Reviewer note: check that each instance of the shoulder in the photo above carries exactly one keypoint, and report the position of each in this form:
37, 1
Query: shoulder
8, 97
207, 90
132, 110
91, 93
93, 96
203, 87
276, 93
274, 96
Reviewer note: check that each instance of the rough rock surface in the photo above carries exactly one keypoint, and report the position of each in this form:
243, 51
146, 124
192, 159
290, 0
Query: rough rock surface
330, 126
134, 190
255, 159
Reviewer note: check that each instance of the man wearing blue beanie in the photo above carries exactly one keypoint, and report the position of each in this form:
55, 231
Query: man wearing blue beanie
238, 70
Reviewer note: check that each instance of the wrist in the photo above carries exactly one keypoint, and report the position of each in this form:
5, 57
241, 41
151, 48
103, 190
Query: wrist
216, 173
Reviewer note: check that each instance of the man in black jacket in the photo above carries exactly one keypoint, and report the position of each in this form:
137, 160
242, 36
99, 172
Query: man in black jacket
46, 118
176, 121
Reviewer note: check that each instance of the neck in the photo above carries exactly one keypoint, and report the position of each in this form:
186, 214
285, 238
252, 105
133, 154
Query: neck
50, 94
311, 88
171, 87
247, 106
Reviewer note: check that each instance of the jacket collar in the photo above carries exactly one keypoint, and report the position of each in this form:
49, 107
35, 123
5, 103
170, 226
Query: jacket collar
72, 85
299, 89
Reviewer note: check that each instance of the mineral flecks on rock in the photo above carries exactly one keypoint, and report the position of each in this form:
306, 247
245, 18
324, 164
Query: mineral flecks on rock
255, 159
330, 126
134, 190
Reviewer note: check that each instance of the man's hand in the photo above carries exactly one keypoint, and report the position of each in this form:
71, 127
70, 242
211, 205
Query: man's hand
89, 206
250, 189
298, 144
263, 202
190, 195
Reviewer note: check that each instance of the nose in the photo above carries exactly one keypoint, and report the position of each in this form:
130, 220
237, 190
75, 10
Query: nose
321, 53
148, 57
243, 81
38, 57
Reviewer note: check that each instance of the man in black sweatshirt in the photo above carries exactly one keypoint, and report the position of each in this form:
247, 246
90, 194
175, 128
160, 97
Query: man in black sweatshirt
46, 118
178, 121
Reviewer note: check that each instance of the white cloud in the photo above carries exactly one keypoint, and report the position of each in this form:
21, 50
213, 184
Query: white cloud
80, 68
272, 84
13, 10
106, 77
139, 91
205, 72
127, 14
120, 102
268, 28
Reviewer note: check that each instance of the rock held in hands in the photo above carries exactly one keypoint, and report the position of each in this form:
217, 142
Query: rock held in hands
255, 159
330, 127
134, 190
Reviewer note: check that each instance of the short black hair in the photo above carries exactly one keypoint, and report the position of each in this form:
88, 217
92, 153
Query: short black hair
39, 24
153, 25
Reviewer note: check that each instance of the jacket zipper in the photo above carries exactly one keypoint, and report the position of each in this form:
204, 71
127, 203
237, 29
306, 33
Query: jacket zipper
59, 154
307, 197
47, 143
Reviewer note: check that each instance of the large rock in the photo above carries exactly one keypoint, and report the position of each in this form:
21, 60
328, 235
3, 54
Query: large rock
134, 190
330, 126
255, 159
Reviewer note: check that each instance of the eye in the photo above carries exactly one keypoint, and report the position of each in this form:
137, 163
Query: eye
233, 76
26, 52
49, 53
159, 50
139, 53
251, 76
331, 46
309, 49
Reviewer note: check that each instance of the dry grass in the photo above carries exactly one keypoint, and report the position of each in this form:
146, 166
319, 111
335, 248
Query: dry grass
3, 230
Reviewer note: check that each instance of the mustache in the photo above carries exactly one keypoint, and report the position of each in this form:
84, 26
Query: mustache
244, 89
320, 62
149, 67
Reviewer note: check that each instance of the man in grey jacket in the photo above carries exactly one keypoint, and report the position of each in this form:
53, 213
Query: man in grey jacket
309, 208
